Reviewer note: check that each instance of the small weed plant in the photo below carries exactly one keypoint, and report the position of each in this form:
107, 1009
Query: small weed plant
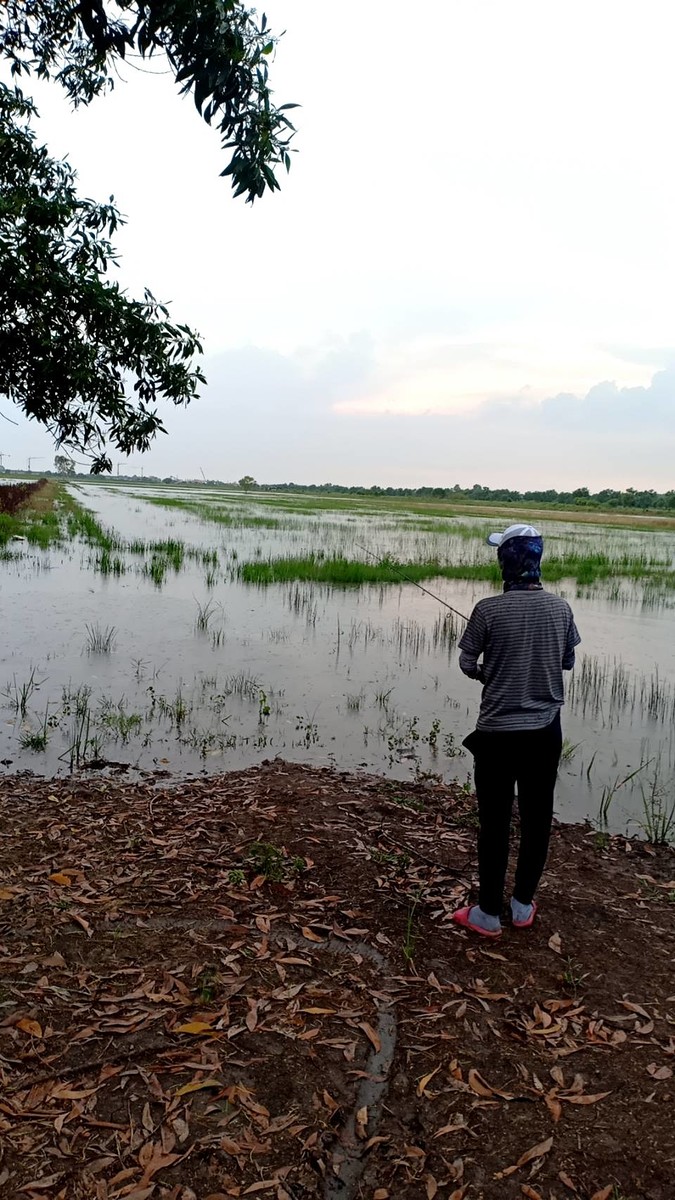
658, 822
573, 976
273, 862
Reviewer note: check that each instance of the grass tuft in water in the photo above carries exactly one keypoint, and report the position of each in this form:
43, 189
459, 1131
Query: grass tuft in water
205, 613
37, 739
109, 564
242, 684
18, 693
100, 639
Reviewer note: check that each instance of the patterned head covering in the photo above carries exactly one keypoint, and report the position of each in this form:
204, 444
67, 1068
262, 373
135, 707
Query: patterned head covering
520, 561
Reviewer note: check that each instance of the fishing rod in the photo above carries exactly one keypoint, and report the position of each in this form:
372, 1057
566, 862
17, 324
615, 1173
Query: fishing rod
407, 578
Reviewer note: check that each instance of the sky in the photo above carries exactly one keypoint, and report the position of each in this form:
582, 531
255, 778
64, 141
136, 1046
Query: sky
467, 276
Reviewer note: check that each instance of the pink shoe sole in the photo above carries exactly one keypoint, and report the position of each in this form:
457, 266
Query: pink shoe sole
530, 920
461, 917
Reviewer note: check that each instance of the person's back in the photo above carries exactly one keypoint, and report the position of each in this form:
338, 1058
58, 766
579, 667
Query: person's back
524, 640
527, 639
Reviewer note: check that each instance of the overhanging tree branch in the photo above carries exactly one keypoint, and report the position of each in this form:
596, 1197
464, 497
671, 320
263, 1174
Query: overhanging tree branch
217, 50
77, 354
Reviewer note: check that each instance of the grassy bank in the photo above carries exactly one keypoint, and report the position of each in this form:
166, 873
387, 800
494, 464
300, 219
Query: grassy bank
36, 518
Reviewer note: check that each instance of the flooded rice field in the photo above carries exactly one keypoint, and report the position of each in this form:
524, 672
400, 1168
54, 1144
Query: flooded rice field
191, 629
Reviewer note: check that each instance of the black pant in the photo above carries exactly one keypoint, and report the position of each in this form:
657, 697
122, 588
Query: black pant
528, 759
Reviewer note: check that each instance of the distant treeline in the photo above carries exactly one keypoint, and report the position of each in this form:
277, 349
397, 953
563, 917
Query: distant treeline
580, 498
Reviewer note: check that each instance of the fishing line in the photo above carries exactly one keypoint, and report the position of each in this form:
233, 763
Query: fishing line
407, 578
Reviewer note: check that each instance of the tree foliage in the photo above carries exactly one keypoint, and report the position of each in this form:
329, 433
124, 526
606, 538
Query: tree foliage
76, 354
216, 49
63, 465
247, 482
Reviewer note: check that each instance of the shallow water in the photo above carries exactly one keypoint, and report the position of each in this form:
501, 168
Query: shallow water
357, 678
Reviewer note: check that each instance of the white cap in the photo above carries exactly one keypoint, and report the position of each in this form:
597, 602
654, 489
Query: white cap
513, 531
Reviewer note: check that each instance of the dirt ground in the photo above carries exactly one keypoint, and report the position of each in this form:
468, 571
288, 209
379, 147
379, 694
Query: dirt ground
251, 985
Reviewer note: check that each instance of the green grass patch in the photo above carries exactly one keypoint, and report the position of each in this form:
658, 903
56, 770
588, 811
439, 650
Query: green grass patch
345, 572
81, 523
214, 513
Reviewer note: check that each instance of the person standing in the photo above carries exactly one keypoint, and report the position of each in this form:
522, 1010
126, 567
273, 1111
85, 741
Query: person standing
526, 638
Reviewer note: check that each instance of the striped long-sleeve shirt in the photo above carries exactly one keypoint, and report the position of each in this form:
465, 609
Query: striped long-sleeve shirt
527, 640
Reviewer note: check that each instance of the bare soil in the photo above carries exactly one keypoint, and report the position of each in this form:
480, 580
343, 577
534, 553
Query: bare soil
251, 985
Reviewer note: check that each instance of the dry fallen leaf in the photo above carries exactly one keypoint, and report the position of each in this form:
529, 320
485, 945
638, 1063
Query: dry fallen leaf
311, 935
569, 1183
193, 1027
62, 880
431, 1187
83, 922
555, 943
181, 1129
604, 1193
361, 1121
478, 1084
450, 1129
655, 1071
153, 1159
198, 1086
31, 1027
483, 1088
371, 1034
375, 1141
528, 1191
535, 1152
635, 1008
54, 960
425, 1080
